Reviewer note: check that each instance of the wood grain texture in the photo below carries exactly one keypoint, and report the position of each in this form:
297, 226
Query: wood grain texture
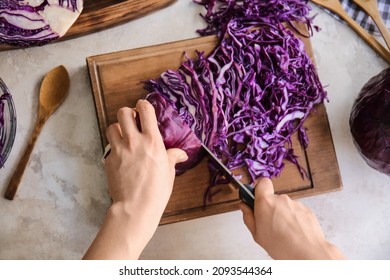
116, 81
98, 15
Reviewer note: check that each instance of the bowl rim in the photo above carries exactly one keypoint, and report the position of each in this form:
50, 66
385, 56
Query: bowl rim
6, 97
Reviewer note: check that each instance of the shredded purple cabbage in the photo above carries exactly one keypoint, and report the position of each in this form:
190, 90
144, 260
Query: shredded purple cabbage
220, 13
247, 98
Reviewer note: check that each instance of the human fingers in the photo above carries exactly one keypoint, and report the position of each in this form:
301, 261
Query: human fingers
114, 133
264, 188
176, 155
248, 217
127, 122
147, 117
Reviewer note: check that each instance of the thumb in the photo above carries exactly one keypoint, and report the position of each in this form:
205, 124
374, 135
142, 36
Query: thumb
264, 188
176, 155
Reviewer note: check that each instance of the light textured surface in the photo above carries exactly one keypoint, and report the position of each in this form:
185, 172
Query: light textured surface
62, 198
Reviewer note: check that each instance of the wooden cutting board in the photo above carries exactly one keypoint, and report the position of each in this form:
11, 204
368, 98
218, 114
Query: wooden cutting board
98, 15
116, 80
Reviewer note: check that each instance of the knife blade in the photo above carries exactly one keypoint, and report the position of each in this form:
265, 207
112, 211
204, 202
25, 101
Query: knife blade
246, 192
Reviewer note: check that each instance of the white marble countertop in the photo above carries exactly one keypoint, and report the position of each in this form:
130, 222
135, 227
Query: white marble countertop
62, 198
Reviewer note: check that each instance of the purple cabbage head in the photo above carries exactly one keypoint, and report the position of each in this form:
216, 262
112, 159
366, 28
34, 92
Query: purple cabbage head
370, 122
35, 23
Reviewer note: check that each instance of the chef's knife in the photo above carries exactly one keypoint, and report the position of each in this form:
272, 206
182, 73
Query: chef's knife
246, 192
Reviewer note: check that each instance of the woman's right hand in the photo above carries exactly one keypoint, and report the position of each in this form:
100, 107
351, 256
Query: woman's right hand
285, 228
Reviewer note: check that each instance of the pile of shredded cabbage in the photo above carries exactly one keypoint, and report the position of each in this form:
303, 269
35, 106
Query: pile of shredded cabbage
247, 98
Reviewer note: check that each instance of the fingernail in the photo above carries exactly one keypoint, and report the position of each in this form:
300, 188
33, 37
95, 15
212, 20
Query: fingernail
183, 157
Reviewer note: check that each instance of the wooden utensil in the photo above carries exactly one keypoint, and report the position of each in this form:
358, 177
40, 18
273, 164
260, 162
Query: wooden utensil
335, 6
54, 89
371, 8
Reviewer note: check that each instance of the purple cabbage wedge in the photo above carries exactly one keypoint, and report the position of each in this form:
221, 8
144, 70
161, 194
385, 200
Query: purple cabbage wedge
253, 91
175, 132
36, 22
370, 122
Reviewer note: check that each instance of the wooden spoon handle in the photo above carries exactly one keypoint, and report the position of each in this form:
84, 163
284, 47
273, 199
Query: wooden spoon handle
18, 174
371, 8
383, 29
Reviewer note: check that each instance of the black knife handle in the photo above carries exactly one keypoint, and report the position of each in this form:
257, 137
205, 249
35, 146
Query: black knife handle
246, 198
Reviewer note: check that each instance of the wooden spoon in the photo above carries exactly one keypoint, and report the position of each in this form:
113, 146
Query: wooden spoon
54, 89
371, 8
335, 6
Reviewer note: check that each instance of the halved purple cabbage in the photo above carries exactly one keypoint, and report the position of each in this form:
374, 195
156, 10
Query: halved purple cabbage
26, 23
370, 122
247, 98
